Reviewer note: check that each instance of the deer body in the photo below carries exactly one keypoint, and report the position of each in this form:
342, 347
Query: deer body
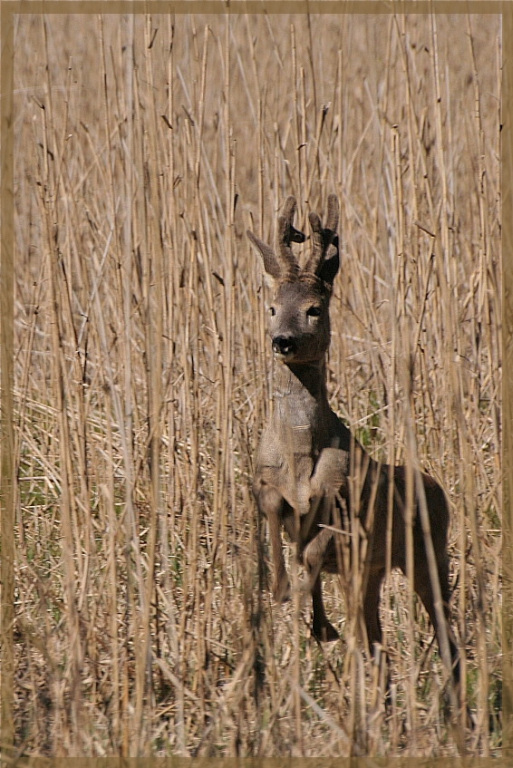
308, 460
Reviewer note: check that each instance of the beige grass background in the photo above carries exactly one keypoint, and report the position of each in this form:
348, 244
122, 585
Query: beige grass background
145, 146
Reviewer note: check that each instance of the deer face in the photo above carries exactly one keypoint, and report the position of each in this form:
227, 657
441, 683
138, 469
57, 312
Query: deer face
299, 324
298, 321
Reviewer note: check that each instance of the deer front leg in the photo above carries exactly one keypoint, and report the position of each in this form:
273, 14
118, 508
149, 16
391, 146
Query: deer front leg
270, 503
313, 558
322, 629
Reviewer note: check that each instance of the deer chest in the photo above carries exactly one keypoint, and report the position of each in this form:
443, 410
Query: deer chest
301, 474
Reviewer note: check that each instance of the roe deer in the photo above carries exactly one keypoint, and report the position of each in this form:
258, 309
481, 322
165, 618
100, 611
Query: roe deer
307, 460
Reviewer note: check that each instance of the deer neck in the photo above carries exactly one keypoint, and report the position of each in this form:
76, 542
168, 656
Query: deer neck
301, 408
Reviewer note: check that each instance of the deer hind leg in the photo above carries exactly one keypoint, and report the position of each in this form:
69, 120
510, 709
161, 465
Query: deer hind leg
374, 632
313, 558
371, 610
424, 589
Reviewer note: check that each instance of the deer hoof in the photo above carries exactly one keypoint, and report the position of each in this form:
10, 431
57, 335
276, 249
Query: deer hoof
325, 633
281, 591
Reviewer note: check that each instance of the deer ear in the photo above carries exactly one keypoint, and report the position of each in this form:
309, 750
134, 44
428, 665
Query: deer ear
271, 264
330, 266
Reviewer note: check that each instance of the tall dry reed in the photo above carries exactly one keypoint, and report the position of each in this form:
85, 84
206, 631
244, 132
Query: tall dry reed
144, 148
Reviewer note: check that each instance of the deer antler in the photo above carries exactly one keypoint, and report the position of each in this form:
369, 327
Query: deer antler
286, 234
322, 237
284, 264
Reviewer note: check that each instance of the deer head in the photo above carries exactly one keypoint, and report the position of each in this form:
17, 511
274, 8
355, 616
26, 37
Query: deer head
299, 324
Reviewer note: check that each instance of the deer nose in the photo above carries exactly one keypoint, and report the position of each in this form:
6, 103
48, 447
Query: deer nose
284, 345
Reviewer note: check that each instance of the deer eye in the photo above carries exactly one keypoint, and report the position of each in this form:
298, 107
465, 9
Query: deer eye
313, 311
272, 311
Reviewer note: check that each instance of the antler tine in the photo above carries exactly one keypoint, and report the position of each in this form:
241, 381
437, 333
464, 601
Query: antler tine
333, 211
289, 209
286, 234
271, 264
317, 253
322, 237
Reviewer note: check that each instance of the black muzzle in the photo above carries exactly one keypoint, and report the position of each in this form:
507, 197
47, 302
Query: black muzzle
284, 345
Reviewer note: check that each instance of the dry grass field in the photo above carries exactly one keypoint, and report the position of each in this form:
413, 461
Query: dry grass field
144, 149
